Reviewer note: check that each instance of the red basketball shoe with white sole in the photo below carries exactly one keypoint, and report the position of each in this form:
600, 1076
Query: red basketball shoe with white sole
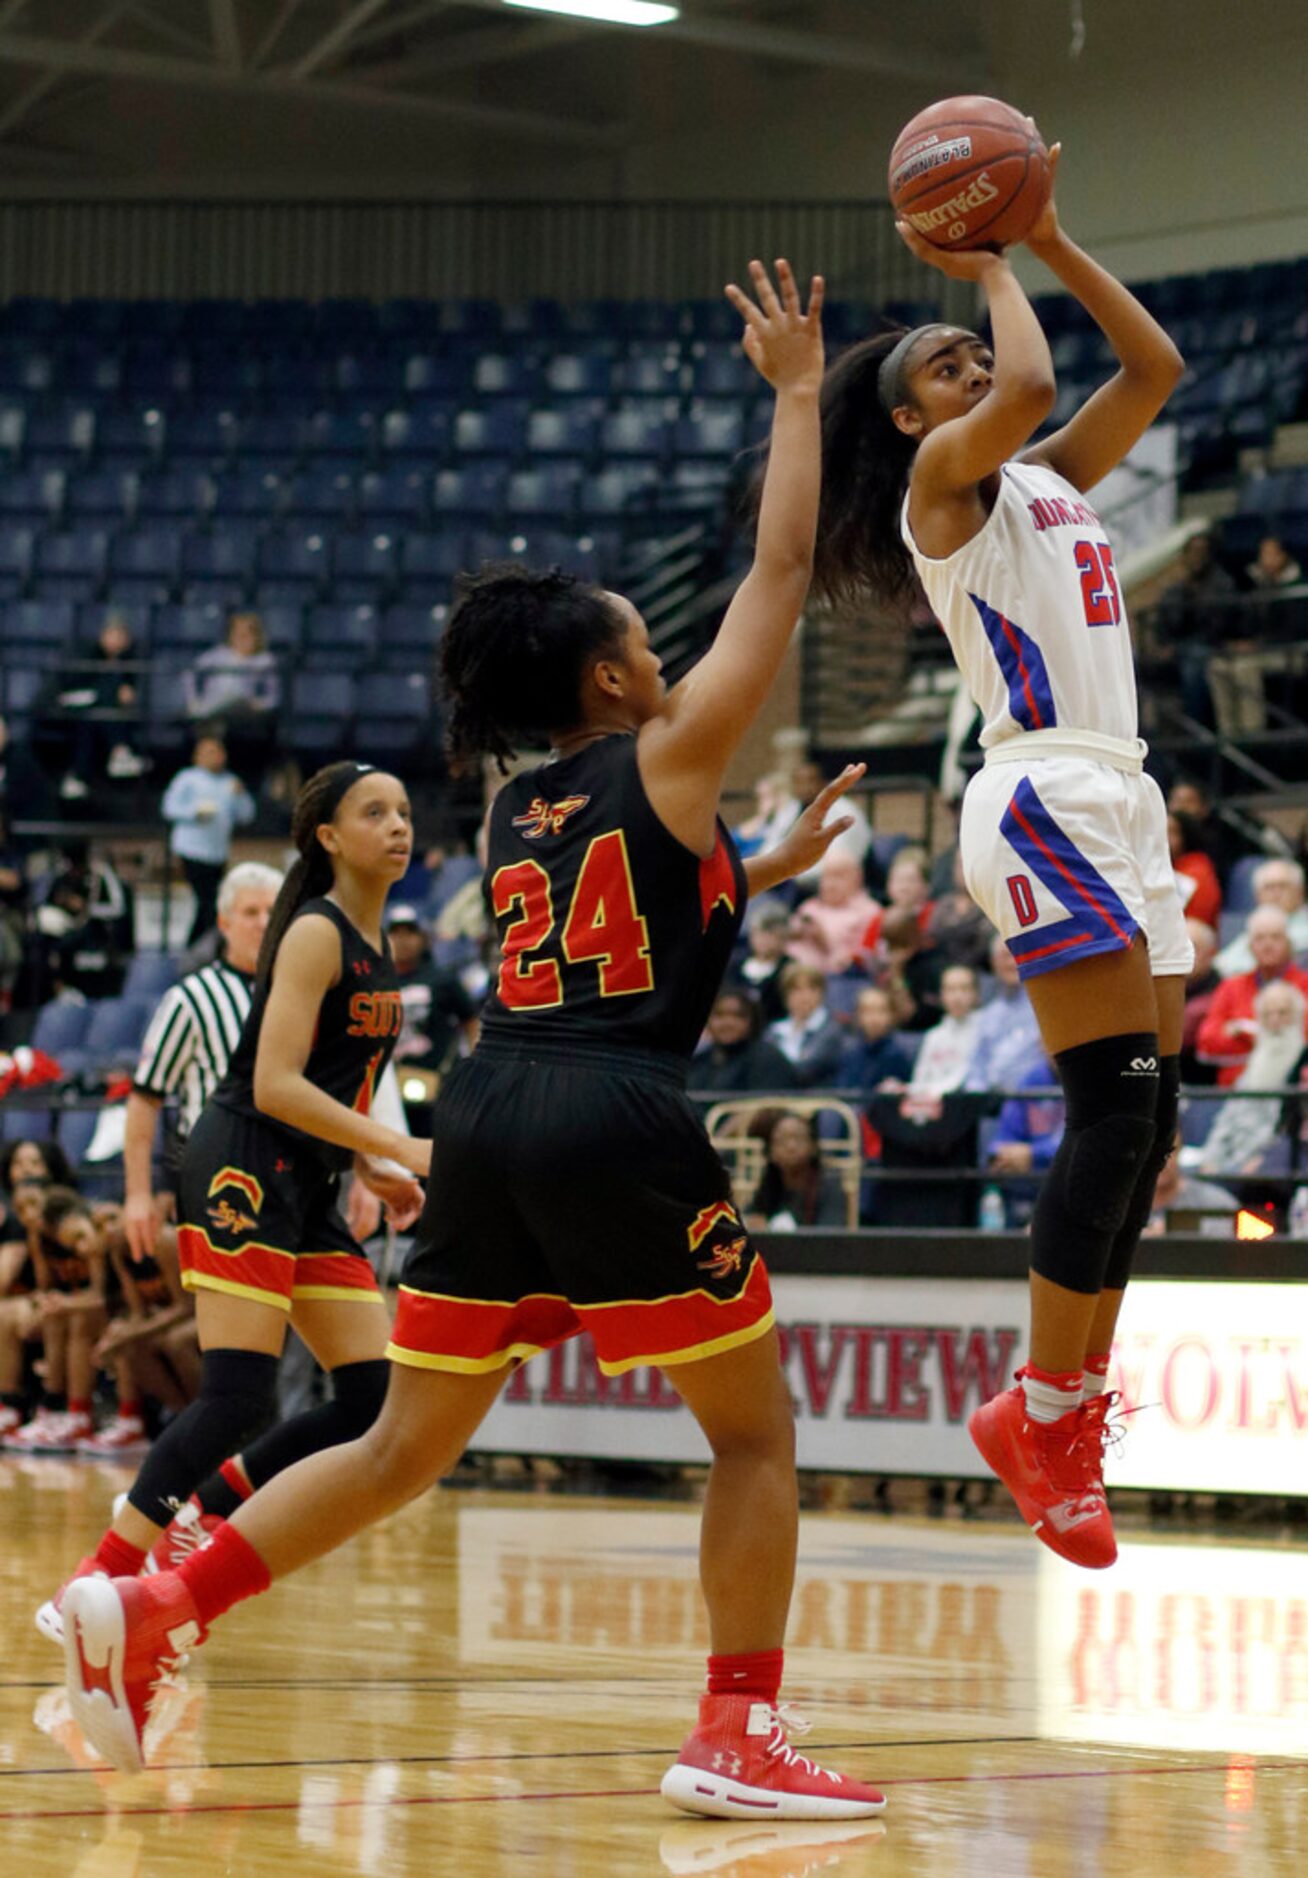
738, 1764
122, 1638
1054, 1470
49, 1619
189, 1530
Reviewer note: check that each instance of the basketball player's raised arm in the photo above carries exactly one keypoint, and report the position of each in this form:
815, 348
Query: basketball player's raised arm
308, 965
1149, 364
709, 712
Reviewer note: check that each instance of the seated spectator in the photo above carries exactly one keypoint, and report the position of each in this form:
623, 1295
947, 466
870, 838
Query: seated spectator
877, 1055
808, 1036
949, 1046
1226, 1034
1244, 1128
25, 1162
908, 890
958, 926
796, 1189
735, 1059
1008, 1042
1214, 836
1277, 882
70, 1291
807, 781
235, 686
1273, 566
439, 1016
906, 964
767, 928
91, 710
1193, 871
1193, 618
1200, 986
21, 1317
776, 810
205, 804
1025, 1141
85, 927
1175, 1191
1237, 675
827, 930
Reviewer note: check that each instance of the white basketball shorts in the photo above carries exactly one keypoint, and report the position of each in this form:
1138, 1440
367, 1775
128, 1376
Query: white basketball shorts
1068, 857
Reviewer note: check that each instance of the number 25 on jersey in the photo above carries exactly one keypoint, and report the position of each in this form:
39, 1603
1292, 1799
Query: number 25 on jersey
603, 924
1099, 590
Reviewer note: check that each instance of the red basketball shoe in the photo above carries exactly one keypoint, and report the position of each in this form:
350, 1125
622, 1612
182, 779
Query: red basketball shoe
738, 1764
49, 1619
189, 1530
122, 1637
1054, 1470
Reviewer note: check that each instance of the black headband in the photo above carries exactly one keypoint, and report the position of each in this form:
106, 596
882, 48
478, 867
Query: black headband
349, 774
889, 390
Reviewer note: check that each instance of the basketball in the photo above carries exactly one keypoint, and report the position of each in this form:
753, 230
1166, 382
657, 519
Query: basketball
969, 173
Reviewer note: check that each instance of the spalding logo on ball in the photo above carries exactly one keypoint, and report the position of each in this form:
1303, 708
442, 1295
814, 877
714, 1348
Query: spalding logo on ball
969, 173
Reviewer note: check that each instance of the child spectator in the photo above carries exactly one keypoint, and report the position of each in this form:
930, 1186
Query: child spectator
736, 1060
796, 1189
69, 1272
205, 802
808, 1036
948, 1046
827, 930
767, 927
876, 1055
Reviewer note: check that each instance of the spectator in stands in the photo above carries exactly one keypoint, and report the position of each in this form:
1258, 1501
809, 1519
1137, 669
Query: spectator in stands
1008, 1042
1277, 882
1244, 1128
767, 928
25, 1163
14, 897
776, 810
85, 927
1193, 618
205, 803
236, 686
735, 1059
949, 1046
957, 925
808, 1036
24, 788
1273, 566
1259, 648
877, 1055
439, 1016
907, 965
908, 890
1217, 840
827, 929
1025, 1140
1200, 986
1194, 873
796, 1189
1227, 1033
807, 781
1178, 1192
20, 1302
70, 1287
91, 707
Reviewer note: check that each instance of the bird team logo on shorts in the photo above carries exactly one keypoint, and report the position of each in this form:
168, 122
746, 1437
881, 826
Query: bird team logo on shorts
224, 1214
725, 1259
547, 818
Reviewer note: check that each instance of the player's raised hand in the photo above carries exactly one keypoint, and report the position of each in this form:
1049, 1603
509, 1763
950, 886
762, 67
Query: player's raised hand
812, 834
957, 263
1045, 229
782, 340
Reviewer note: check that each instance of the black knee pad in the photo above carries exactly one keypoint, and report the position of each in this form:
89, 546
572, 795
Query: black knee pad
1111, 1088
237, 1400
358, 1391
1166, 1117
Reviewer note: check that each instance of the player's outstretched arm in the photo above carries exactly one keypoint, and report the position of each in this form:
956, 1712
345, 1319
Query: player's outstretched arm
1149, 364
705, 716
809, 839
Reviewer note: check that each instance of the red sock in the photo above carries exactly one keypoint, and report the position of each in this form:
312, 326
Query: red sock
753, 1672
236, 1480
223, 1572
118, 1558
129, 1411
78, 1406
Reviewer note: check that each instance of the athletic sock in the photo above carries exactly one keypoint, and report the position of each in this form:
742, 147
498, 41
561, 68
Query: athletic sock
1096, 1374
129, 1411
223, 1492
79, 1405
751, 1672
117, 1557
223, 1572
1050, 1395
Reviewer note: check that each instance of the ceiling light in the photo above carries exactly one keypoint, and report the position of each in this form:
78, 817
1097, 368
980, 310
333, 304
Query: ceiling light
612, 12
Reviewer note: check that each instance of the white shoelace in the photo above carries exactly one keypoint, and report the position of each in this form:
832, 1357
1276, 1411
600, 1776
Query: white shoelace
787, 1720
188, 1535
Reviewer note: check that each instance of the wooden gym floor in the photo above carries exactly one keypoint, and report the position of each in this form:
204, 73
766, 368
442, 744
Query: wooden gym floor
494, 1683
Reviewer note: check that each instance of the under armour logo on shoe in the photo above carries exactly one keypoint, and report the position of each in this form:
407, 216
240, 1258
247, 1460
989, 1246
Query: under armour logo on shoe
727, 1763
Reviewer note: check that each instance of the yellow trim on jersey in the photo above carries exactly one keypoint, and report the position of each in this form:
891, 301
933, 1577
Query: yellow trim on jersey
669, 1358
204, 1281
490, 1304
607, 1304
354, 1294
464, 1365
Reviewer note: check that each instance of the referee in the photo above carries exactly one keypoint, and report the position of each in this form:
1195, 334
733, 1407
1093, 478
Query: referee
191, 1036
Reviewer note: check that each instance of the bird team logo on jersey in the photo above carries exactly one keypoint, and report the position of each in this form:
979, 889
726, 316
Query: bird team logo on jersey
224, 1213
724, 1259
547, 818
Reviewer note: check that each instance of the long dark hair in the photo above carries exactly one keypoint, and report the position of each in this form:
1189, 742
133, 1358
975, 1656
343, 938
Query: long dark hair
866, 460
514, 652
311, 876
773, 1195
57, 1168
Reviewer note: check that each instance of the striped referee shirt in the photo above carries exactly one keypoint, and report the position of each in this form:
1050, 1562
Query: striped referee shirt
191, 1037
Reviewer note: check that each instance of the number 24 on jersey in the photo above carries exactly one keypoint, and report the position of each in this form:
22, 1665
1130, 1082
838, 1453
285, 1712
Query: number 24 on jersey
603, 924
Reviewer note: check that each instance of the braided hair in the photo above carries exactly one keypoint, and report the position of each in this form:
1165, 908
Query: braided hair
514, 654
311, 875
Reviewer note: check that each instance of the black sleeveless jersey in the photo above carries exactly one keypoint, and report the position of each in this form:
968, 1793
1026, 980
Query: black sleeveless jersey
358, 1026
612, 933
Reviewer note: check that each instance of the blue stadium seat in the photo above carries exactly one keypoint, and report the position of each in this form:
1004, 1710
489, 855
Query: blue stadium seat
283, 626
1239, 884
107, 493
70, 563
638, 430
25, 365
152, 552
13, 430
32, 495
62, 437
218, 374
181, 489
495, 430
435, 556
149, 974
321, 709
421, 431
16, 545
300, 554
321, 490
369, 374
114, 1033
477, 489
60, 1030
365, 565
409, 633
394, 715
619, 489
193, 626
709, 430
723, 372
136, 435
511, 374
26, 1124
550, 490
397, 494
650, 376
223, 554
428, 374
90, 617
580, 374
348, 632
152, 369
23, 685
37, 623
258, 488
569, 431
340, 433
213, 434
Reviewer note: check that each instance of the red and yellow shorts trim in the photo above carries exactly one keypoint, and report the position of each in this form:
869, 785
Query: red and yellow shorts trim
270, 1275
470, 1336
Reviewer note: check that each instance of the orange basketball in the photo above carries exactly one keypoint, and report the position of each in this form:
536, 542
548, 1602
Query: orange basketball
969, 173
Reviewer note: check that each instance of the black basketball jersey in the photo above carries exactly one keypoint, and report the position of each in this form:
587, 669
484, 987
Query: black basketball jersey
358, 1025
612, 933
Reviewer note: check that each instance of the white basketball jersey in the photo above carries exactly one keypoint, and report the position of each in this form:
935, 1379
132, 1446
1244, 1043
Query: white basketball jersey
1033, 612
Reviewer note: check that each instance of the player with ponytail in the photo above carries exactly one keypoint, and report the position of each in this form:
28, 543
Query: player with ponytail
261, 1241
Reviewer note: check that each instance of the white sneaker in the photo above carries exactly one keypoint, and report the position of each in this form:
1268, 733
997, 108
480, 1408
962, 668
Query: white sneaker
73, 789
125, 764
125, 1434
